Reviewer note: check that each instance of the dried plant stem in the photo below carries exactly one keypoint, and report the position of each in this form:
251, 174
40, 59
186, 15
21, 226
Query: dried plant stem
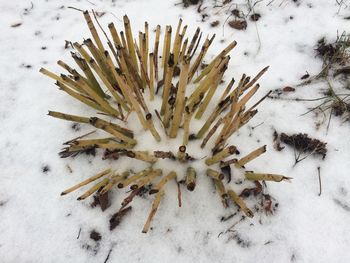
89, 142
215, 174
71, 70
251, 156
221, 155
153, 210
259, 101
146, 46
115, 36
180, 100
232, 114
143, 65
167, 83
183, 50
248, 96
239, 201
147, 179
221, 191
228, 162
87, 181
151, 77
125, 45
129, 198
84, 66
108, 127
130, 41
222, 54
155, 52
179, 194
265, 177
193, 42
255, 79
203, 106
209, 121
162, 182
224, 102
166, 47
168, 114
114, 146
190, 180
68, 117
113, 181
142, 156
134, 178
228, 129
93, 31
80, 97
93, 189
98, 56
227, 90
186, 125
181, 153
200, 57
164, 155
205, 84
127, 93
103, 77
82, 86
211, 132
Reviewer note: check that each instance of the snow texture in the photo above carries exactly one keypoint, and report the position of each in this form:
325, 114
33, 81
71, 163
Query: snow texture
38, 225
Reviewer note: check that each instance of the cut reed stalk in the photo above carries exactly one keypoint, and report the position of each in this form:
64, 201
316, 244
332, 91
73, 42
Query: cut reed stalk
221, 191
221, 155
133, 178
113, 181
240, 203
93, 31
167, 83
222, 54
93, 189
180, 99
147, 179
130, 41
251, 156
170, 176
265, 177
155, 52
200, 57
215, 174
151, 77
87, 181
190, 180
155, 205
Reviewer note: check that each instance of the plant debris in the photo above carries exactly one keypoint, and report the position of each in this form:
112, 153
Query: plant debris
187, 3
118, 217
16, 24
303, 144
288, 89
45, 169
238, 24
96, 236
255, 17
214, 23
305, 76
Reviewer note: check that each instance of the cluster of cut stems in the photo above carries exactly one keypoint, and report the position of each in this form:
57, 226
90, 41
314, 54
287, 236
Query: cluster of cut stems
122, 78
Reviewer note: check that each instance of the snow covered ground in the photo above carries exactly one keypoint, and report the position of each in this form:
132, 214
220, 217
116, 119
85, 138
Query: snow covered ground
37, 225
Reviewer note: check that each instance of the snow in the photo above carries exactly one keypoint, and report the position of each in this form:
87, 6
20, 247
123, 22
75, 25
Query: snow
38, 225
